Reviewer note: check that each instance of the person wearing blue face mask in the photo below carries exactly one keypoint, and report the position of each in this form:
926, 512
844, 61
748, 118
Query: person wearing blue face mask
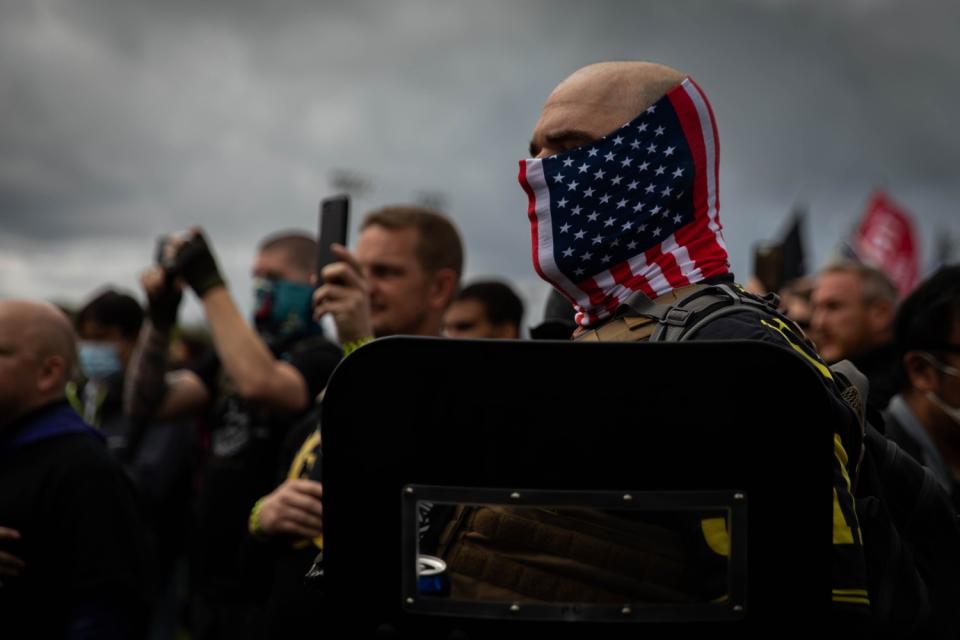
283, 309
261, 382
924, 418
107, 326
158, 457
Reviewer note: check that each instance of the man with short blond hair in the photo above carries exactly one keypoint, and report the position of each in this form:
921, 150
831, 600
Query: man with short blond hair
439, 245
398, 280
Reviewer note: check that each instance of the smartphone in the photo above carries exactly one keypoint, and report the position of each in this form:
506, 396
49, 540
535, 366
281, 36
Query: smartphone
166, 262
334, 220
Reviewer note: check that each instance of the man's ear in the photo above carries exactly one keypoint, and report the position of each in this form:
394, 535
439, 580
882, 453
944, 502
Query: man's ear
443, 286
880, 316
52, 375
922, 374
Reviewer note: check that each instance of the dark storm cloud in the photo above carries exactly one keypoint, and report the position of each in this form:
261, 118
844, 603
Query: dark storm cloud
122, 120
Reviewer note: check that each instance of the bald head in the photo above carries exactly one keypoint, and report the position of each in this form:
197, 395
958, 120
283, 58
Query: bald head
37, 355
597, 99
41, 326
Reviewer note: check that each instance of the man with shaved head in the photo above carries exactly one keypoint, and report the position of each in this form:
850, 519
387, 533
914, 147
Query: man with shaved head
36, 356
624, 216
75, 530
623, 188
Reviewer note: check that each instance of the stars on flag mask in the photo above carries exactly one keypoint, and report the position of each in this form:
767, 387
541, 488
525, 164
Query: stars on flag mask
635, 210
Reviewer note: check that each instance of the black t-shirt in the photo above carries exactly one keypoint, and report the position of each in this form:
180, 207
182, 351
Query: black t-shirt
81, 538
241, 464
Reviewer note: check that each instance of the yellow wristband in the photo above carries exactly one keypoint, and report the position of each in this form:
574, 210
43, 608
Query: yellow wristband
253, 523
353, 345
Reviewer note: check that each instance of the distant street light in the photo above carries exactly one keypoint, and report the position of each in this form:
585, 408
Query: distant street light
351, 182
432, 200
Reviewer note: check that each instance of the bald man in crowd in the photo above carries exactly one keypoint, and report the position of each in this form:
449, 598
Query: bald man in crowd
66, 507
623, 208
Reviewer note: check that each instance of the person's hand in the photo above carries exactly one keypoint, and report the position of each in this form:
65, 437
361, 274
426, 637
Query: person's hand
163, 297
10, 565
293, 508
345, 295
194, 262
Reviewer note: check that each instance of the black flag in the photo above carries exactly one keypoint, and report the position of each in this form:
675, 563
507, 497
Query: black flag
781, 261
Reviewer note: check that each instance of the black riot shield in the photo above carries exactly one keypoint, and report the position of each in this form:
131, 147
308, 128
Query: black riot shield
481, 489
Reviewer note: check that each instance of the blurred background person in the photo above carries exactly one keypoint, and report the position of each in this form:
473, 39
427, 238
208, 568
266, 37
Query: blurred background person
189, 347
70, 507
558, 319
924, 418
251, 392
484, 309
158, 457
795, 301
853, 310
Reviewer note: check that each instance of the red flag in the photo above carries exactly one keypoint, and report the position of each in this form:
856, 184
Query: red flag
887, 240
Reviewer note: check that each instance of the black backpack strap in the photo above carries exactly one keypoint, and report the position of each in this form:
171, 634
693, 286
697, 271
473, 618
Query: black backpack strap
692, 312
691, 308
697, 308
731, 302
637, 304
675, 314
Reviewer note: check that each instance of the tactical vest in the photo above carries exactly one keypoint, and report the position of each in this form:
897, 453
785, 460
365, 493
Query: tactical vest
679, 314
525, 554
589, 555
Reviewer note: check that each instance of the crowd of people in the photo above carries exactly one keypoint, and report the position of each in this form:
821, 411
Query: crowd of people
151, 485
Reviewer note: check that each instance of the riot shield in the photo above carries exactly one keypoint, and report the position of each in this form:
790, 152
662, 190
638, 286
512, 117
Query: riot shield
480, 489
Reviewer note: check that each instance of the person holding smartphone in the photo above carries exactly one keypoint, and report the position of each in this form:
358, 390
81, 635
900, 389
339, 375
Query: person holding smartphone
260, 382
399, 280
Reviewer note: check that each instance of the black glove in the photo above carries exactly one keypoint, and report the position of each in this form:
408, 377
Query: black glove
195, 263
162, 309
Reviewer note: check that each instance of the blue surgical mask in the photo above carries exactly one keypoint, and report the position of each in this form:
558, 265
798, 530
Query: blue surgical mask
99, 360
282, 308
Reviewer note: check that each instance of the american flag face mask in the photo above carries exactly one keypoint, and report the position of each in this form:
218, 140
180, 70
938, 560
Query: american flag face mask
636, 210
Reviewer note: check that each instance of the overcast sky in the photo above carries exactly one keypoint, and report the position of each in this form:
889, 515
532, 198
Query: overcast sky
125, 119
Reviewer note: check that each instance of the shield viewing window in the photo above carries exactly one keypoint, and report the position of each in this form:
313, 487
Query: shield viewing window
574, 555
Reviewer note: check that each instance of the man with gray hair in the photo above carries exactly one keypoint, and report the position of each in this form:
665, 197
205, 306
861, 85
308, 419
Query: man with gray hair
853, 310
70, 530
